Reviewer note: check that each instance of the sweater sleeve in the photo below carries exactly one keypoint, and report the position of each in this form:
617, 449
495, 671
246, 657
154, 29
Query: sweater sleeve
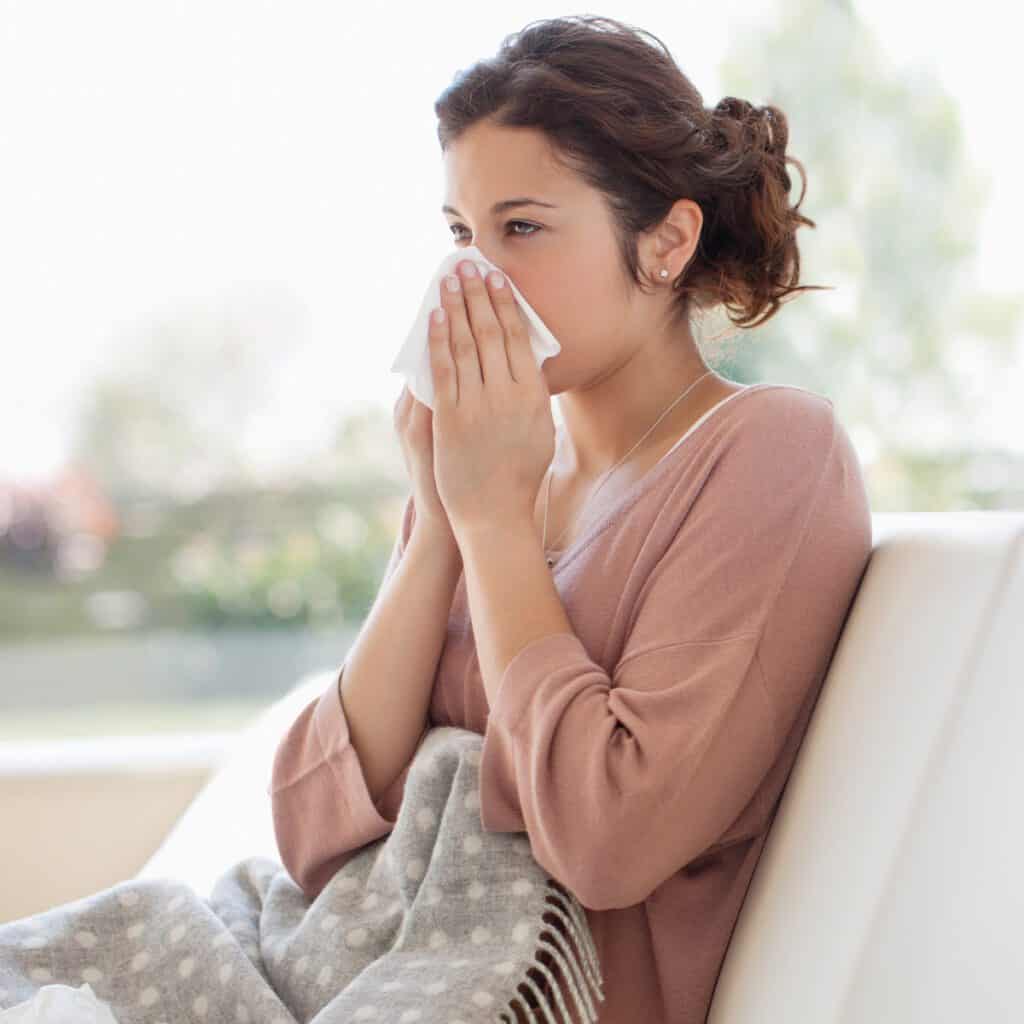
621, 779
322, 809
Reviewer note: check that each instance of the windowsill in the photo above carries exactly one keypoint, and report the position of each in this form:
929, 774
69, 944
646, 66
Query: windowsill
158, 754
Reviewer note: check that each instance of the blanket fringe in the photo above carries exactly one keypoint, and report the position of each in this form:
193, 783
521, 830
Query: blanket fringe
571, 967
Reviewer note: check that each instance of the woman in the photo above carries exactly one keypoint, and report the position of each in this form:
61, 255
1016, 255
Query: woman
643, 648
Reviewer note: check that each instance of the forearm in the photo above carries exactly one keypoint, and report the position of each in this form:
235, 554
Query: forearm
386, 681
512, 598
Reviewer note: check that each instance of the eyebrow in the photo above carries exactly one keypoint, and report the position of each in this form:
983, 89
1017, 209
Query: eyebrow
505, 204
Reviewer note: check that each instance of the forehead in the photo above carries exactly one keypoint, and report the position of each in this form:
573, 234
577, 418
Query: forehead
489, 163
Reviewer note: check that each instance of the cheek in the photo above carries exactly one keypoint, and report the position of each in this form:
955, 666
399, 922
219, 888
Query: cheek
586, 305
575, 286
578, 295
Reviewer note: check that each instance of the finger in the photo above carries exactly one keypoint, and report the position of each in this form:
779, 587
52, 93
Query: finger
521, 363
485, 327
401, 406
468, 373
442, 366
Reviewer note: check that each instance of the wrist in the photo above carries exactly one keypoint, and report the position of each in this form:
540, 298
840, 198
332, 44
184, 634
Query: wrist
436, 538
495, 531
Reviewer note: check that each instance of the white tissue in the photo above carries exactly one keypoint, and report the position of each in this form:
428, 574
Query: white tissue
413, 359
60, 1004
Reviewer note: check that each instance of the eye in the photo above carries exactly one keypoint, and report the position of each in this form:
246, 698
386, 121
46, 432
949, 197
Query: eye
519, 234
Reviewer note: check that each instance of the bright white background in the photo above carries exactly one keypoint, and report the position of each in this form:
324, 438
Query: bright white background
162, 157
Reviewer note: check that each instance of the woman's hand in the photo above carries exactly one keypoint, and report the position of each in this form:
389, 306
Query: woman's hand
414, 426
494, 436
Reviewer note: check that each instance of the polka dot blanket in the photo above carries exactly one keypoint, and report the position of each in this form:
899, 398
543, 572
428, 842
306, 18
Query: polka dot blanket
438, 921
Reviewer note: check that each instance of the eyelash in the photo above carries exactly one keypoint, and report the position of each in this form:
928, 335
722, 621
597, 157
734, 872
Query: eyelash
517, 234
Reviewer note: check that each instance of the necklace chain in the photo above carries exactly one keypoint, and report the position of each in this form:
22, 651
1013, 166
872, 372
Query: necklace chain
608, 473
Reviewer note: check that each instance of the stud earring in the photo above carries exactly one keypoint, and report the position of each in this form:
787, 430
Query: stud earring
663, 272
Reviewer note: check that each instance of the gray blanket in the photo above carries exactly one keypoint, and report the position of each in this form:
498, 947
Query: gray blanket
439, 921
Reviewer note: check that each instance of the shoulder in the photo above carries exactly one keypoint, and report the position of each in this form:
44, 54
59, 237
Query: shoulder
784, 403
779, 420
791, 447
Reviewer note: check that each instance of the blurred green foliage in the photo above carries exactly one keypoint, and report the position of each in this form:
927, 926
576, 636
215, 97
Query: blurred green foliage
305, 556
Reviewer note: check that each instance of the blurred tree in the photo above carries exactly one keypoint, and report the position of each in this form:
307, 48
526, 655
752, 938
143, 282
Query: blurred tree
365, 446
908, 346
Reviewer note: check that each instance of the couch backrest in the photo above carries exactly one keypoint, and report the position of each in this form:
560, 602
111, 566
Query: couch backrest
889, 886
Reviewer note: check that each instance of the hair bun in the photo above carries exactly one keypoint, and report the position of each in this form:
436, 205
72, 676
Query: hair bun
739, 122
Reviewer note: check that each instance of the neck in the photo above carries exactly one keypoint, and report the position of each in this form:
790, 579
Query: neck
604, 419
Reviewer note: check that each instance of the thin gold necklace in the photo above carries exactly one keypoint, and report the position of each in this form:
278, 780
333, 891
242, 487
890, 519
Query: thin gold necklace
607, 473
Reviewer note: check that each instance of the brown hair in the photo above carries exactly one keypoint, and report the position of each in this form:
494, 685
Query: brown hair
621, 114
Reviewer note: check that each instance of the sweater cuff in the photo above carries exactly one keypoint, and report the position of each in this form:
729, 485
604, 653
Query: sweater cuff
526, 670
331, 727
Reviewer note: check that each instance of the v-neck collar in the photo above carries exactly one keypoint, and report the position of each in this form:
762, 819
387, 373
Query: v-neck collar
651, 477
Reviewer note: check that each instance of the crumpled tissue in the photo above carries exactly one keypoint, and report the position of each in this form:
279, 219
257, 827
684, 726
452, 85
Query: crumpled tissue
413, 359
60, 1004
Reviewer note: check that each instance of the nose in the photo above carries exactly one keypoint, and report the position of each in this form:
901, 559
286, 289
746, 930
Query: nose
483, 253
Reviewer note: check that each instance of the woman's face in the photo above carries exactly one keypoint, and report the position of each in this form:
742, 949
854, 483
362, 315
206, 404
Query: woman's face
563, 257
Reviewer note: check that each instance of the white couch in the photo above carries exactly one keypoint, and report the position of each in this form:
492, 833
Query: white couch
889, 888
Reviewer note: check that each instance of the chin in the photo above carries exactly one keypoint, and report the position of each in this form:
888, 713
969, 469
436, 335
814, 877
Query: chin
553, 389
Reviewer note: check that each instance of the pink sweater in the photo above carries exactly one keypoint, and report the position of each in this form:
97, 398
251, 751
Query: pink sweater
644, 753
